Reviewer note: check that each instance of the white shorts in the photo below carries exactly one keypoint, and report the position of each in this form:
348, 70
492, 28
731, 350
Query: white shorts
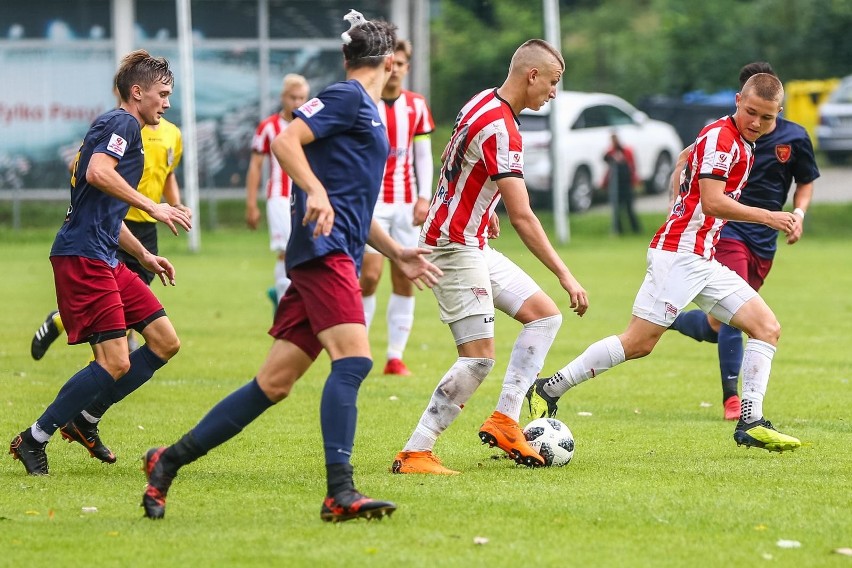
675, 279
396, 219
476, 281
278, 219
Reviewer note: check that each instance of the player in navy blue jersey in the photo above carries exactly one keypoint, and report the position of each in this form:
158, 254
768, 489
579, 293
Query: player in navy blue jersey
99, 297
335, 151
782, 155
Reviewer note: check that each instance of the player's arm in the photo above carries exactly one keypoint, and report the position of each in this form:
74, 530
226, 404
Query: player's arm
529, 229
287, 149
715, 203
423, 169
410, 260
171, 193
102, 174
159, 265
253, 178
801, 201
678, 170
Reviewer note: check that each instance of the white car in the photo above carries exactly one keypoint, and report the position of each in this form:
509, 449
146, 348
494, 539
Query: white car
589, 119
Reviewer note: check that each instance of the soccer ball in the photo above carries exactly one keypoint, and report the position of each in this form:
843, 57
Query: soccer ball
552, 439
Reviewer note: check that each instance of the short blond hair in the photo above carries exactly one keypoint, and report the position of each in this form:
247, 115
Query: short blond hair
294, 80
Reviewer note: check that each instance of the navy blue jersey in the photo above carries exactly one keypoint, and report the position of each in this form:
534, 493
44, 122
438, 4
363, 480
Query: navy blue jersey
781, 156
348, 156
93, 222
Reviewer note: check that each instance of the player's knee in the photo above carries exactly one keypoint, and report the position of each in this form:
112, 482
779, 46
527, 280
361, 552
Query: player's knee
768, 330
117, 367
369, 283
165, 347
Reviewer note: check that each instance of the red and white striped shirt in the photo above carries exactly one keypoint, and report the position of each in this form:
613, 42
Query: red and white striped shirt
485, 146
406, 117
279, 183
719, 153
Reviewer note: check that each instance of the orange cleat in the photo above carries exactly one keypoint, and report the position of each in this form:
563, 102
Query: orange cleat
420, 462
501, 431
397, 367
732, 408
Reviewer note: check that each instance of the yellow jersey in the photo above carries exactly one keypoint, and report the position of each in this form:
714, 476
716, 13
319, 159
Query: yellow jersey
163, 149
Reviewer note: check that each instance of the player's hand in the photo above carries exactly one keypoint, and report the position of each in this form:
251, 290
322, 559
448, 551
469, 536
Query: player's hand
319, 211
421, 210
160, 266
796, 234
185, 209
493, 227
171, 216
417, 269
252, 216
783, 221
579, 297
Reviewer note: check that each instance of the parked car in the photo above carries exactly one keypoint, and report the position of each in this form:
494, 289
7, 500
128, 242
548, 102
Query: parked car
588, 122
834, 131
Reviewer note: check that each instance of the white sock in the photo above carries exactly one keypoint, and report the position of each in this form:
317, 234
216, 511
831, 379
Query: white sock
526, 362
757, 362
597, 358
40, 435
369, 308
455, 388
281, 280
400, 319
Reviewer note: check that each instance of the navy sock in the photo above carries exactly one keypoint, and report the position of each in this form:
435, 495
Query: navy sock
338, 411
77, 393
694, 324
730, 359
143, 364
230, 416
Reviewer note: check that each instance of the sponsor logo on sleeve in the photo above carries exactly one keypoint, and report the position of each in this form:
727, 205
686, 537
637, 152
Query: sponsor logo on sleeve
312, 107
722, 161
117, 144
516, 160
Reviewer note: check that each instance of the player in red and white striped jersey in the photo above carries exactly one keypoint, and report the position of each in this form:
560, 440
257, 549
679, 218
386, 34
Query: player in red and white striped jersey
681, 267
403, 202
293, 95
483, 163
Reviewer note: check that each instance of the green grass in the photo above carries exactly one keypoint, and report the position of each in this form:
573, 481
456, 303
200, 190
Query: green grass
656, 479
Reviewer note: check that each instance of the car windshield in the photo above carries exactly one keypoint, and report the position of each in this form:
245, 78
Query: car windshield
533, 122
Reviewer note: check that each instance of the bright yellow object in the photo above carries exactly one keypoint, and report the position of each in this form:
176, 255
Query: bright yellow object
163, 150
802, 102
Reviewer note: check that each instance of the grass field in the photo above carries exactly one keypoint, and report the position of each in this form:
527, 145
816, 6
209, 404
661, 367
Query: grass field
656, 479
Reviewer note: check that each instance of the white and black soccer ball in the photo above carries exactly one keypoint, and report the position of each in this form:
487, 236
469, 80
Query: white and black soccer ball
552, 439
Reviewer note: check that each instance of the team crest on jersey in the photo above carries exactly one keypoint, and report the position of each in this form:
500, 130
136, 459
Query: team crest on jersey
117, 144
516, 160
783, 152
312, 107
722, 161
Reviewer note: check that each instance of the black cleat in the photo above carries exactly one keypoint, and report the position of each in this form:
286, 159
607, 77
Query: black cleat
159, 481
31, 454
350, 504
45, 336
85, 433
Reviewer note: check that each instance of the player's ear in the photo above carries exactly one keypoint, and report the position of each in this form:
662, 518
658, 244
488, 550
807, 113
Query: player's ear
389, 62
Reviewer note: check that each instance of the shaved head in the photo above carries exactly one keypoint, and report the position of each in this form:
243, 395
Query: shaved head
535, 53
765, 86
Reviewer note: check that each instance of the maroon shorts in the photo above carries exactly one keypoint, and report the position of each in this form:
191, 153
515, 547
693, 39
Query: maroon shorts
738, 257
323, 293
95, 300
